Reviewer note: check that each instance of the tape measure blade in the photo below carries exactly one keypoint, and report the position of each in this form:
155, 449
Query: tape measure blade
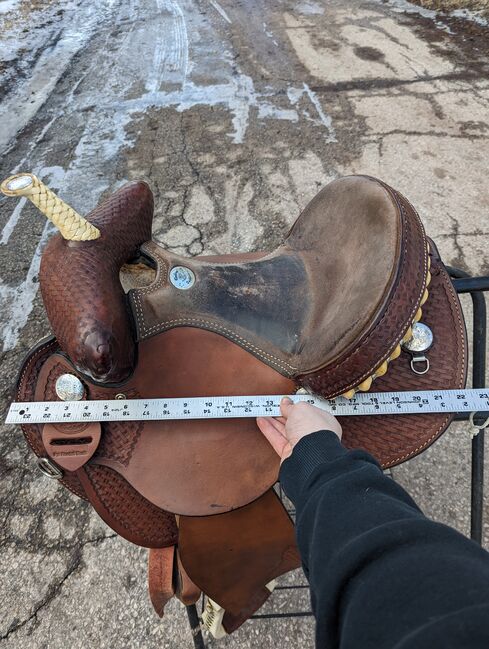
383, 403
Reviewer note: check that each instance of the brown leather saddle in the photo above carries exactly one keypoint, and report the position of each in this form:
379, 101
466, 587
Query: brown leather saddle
333, 310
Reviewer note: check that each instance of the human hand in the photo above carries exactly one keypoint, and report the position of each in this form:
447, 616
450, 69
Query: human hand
297, 421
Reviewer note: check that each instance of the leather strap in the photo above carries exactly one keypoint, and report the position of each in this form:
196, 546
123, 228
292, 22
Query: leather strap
160, 577
185, 589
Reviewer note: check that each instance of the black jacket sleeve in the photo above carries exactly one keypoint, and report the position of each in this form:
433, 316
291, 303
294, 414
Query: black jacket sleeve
381, 574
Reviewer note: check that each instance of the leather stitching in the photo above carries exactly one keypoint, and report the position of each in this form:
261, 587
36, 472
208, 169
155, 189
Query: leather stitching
461, 384
33, 358
167, 324
147, 332
270, 358
152, 250
330, 367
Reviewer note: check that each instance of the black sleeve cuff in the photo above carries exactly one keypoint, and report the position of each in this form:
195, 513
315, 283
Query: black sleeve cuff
309, 453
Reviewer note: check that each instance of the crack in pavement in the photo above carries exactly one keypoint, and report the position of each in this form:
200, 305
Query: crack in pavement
459, 260
428, 133
379, 82
55, 589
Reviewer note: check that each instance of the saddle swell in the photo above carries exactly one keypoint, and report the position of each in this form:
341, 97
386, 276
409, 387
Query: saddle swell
80, 286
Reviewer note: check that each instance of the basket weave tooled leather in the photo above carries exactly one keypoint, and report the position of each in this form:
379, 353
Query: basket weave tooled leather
325, 311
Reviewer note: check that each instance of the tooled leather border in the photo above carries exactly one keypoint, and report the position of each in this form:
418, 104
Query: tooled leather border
462, 377
379, 343
39, 354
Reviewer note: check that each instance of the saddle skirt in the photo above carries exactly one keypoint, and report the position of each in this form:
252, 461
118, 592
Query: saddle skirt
326, 312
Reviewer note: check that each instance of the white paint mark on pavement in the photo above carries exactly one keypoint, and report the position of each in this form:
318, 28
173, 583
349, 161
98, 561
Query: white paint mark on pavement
269, 34
294, 95
218, 8
8, 228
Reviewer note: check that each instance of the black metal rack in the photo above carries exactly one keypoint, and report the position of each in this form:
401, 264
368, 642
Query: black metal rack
463, 283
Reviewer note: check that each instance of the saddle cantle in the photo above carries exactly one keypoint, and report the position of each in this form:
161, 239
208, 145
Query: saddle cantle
330, 311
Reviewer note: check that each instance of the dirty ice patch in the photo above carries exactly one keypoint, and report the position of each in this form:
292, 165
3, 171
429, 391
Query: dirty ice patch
8, 6
239, 96
18, 301
474, 16
403, 6
78, 25
309, 8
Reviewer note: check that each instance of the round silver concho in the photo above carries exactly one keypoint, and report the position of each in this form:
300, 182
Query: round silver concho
19, 182
420, 343
182, 277
69, 388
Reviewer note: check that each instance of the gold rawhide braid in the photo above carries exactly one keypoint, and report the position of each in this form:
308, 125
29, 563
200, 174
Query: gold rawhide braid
71, 225
365, 385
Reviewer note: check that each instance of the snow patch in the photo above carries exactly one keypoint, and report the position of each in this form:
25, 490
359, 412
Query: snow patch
309, 8
404, 6
8, 6
18, 301
474, 16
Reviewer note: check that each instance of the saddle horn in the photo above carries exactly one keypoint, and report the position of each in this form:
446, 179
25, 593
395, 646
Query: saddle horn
72, 226
79, 274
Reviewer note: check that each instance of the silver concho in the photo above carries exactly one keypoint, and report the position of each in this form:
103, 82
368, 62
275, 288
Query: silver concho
421, 341
69, 388
19, 182
182, 277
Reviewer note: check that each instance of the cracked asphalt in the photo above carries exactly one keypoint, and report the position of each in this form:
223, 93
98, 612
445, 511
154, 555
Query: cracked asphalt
236, 113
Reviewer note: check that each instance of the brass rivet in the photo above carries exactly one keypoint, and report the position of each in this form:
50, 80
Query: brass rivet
120, 395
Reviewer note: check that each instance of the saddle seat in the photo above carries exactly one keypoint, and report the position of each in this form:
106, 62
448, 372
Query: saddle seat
309, 303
